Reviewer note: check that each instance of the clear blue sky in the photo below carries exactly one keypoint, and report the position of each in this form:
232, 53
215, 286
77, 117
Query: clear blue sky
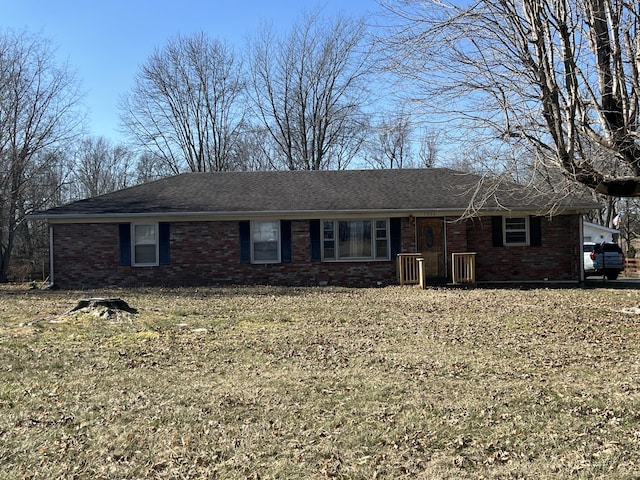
106, 41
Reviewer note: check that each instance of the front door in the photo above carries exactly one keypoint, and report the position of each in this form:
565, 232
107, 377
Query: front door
430, 238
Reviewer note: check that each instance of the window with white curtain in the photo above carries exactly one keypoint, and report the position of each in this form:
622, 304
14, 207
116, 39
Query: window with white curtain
355, 239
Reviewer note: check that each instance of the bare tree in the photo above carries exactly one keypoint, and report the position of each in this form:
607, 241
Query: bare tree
256, 149
562, 76
391, 144
429, 148
309, 89
187, 104
48, 186
100, 167
38, 101
150, 167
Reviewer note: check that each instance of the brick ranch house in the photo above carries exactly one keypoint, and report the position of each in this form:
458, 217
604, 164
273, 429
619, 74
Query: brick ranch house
310, 228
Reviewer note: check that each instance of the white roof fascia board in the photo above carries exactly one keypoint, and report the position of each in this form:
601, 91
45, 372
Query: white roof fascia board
287, 215
232, 216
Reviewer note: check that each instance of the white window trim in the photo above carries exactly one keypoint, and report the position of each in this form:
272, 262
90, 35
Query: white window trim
374, 239
133, 244
374, 257
253, 260
527, 230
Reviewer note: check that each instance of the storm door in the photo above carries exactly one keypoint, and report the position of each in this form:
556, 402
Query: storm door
430, 237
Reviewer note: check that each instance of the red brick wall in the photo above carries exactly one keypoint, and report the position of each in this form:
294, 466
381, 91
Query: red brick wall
559, 258
408, 228
87, 256
456, 235
85, 253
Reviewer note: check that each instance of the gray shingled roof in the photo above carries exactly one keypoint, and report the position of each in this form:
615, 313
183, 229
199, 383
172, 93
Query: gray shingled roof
306, 193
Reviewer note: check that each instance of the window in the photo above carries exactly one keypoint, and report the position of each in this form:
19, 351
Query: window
355, 239
516, 231
265, 242
145, 244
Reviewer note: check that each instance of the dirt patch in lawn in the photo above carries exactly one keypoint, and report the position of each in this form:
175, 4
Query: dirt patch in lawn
322, 382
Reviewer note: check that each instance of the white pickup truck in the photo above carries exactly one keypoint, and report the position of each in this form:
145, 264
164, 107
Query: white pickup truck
602, 259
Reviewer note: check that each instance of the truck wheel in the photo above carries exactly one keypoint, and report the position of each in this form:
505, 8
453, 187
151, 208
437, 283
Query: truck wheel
612, 274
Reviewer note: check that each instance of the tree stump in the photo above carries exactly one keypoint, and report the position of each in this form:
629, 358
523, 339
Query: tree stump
111, 304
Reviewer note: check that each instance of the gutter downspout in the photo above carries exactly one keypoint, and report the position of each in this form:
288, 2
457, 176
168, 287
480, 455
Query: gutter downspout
51, 282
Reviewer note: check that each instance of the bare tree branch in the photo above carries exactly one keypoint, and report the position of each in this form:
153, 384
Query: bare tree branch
186, 106
308, 90
560, 76
38, 112
100, 167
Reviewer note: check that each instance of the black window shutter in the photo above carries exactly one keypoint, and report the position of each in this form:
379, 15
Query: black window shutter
164, 239
314, 234
245, 242
496, 231
535, 231
285, 241
395, 232
124, 233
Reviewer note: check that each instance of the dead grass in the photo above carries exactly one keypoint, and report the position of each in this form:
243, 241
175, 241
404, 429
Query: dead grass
313, 383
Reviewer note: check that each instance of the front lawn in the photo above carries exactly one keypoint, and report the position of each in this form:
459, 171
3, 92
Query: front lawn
262, 382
